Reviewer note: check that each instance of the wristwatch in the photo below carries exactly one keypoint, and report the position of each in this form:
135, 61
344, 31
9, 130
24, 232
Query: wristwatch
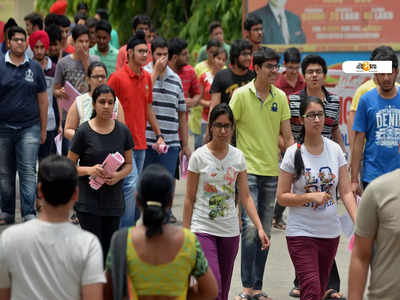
159, 136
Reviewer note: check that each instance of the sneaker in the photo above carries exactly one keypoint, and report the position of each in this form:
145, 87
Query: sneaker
172, 219
28, 218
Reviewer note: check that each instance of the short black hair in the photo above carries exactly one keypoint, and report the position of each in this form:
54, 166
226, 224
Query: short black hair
104, 25
292, 55
176, 46
13, 30
35, 19
82, 5
91, 22
380, 49
213, 25
58, 177
158, 42
213, 43
237, 47
140, 19
313, 59
103, 13
54, 33
63, 21
388, 56
251, 20
80, 16
78, 31
264, 54
51, 19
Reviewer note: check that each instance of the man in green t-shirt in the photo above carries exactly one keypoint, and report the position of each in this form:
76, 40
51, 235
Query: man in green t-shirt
261, 112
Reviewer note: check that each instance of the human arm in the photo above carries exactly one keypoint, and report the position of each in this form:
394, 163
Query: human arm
5, 294
350, 133
183, 133
5, 279
72, 121
96, 170
346, 193
337, 137
286, 132
356, 154
115, 177
43, 108
121, 115
151, 117
192, 102
158, 68
192, 183
92, 291
358, 272
59, 91
248, 204
287, 198
206, 287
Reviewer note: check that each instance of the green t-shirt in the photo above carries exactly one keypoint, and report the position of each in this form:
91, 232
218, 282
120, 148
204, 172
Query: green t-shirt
110, 59
258, 125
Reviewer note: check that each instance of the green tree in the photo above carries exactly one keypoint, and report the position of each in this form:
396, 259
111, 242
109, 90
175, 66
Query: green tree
187, 19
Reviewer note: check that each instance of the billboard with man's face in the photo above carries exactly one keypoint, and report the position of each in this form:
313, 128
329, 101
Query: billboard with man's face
328, 25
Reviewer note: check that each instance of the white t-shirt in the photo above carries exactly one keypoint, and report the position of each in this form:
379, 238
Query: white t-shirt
41, 260
320, 175
214, 209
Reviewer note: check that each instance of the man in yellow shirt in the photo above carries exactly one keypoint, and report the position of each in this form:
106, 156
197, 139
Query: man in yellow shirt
261, 112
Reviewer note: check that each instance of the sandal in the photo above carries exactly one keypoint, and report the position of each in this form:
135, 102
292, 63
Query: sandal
279, 225
294, 292
263, 295
329, 295
74, 219
243, 296
6, 219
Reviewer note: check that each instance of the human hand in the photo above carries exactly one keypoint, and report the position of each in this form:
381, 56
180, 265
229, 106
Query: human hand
265, 243
160, 65
355, 188
319, 198
190, 102
81, 54
60, 93
60, 129
186, 151
112, 179
97, 170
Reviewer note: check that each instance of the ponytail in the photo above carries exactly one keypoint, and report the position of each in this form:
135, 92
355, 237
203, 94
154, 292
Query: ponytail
298, 160
154, 216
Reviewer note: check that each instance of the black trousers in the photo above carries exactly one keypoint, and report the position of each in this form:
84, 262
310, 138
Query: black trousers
101, 226
278, 212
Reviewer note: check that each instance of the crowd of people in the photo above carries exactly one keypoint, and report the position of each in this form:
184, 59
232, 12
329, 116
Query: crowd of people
119, 118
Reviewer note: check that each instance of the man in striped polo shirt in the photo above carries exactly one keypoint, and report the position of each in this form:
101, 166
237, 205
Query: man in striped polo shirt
314, 70
169, 107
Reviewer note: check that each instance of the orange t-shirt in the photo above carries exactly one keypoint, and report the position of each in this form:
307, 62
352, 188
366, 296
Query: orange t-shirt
135, 93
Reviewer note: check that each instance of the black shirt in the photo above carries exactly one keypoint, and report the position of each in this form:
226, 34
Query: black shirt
93, 148
225, 82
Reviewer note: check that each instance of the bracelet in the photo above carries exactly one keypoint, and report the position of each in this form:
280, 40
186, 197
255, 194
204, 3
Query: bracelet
159, 136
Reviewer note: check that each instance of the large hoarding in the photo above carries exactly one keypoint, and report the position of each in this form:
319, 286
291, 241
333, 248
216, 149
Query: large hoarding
328, 25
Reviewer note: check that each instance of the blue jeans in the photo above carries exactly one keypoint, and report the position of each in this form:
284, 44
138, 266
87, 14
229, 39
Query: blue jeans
18, 152
167, 160
129, 189
253, 259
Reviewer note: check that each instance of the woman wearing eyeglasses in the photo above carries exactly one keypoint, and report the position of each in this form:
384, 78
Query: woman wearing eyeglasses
81, 110
210, 210
310, 172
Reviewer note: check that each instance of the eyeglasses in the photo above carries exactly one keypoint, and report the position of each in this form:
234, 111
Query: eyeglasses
313, 115
17, 40
98, 77
272, 66
311, 72
225, 126
245, 53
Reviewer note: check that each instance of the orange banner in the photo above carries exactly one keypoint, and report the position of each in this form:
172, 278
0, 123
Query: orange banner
328, 25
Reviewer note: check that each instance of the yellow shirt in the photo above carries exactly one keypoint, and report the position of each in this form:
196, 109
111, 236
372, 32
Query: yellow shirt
258, 125
361, 90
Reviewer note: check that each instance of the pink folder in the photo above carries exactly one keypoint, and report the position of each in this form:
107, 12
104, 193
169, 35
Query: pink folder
111, 164
72, 93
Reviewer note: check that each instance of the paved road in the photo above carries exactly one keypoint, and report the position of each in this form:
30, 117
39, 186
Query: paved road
279, 273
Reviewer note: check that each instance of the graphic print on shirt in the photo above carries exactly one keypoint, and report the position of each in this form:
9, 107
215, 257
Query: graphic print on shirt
388, 127
220, 190
321, 183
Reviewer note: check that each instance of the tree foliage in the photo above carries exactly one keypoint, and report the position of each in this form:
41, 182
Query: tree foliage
187, 19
